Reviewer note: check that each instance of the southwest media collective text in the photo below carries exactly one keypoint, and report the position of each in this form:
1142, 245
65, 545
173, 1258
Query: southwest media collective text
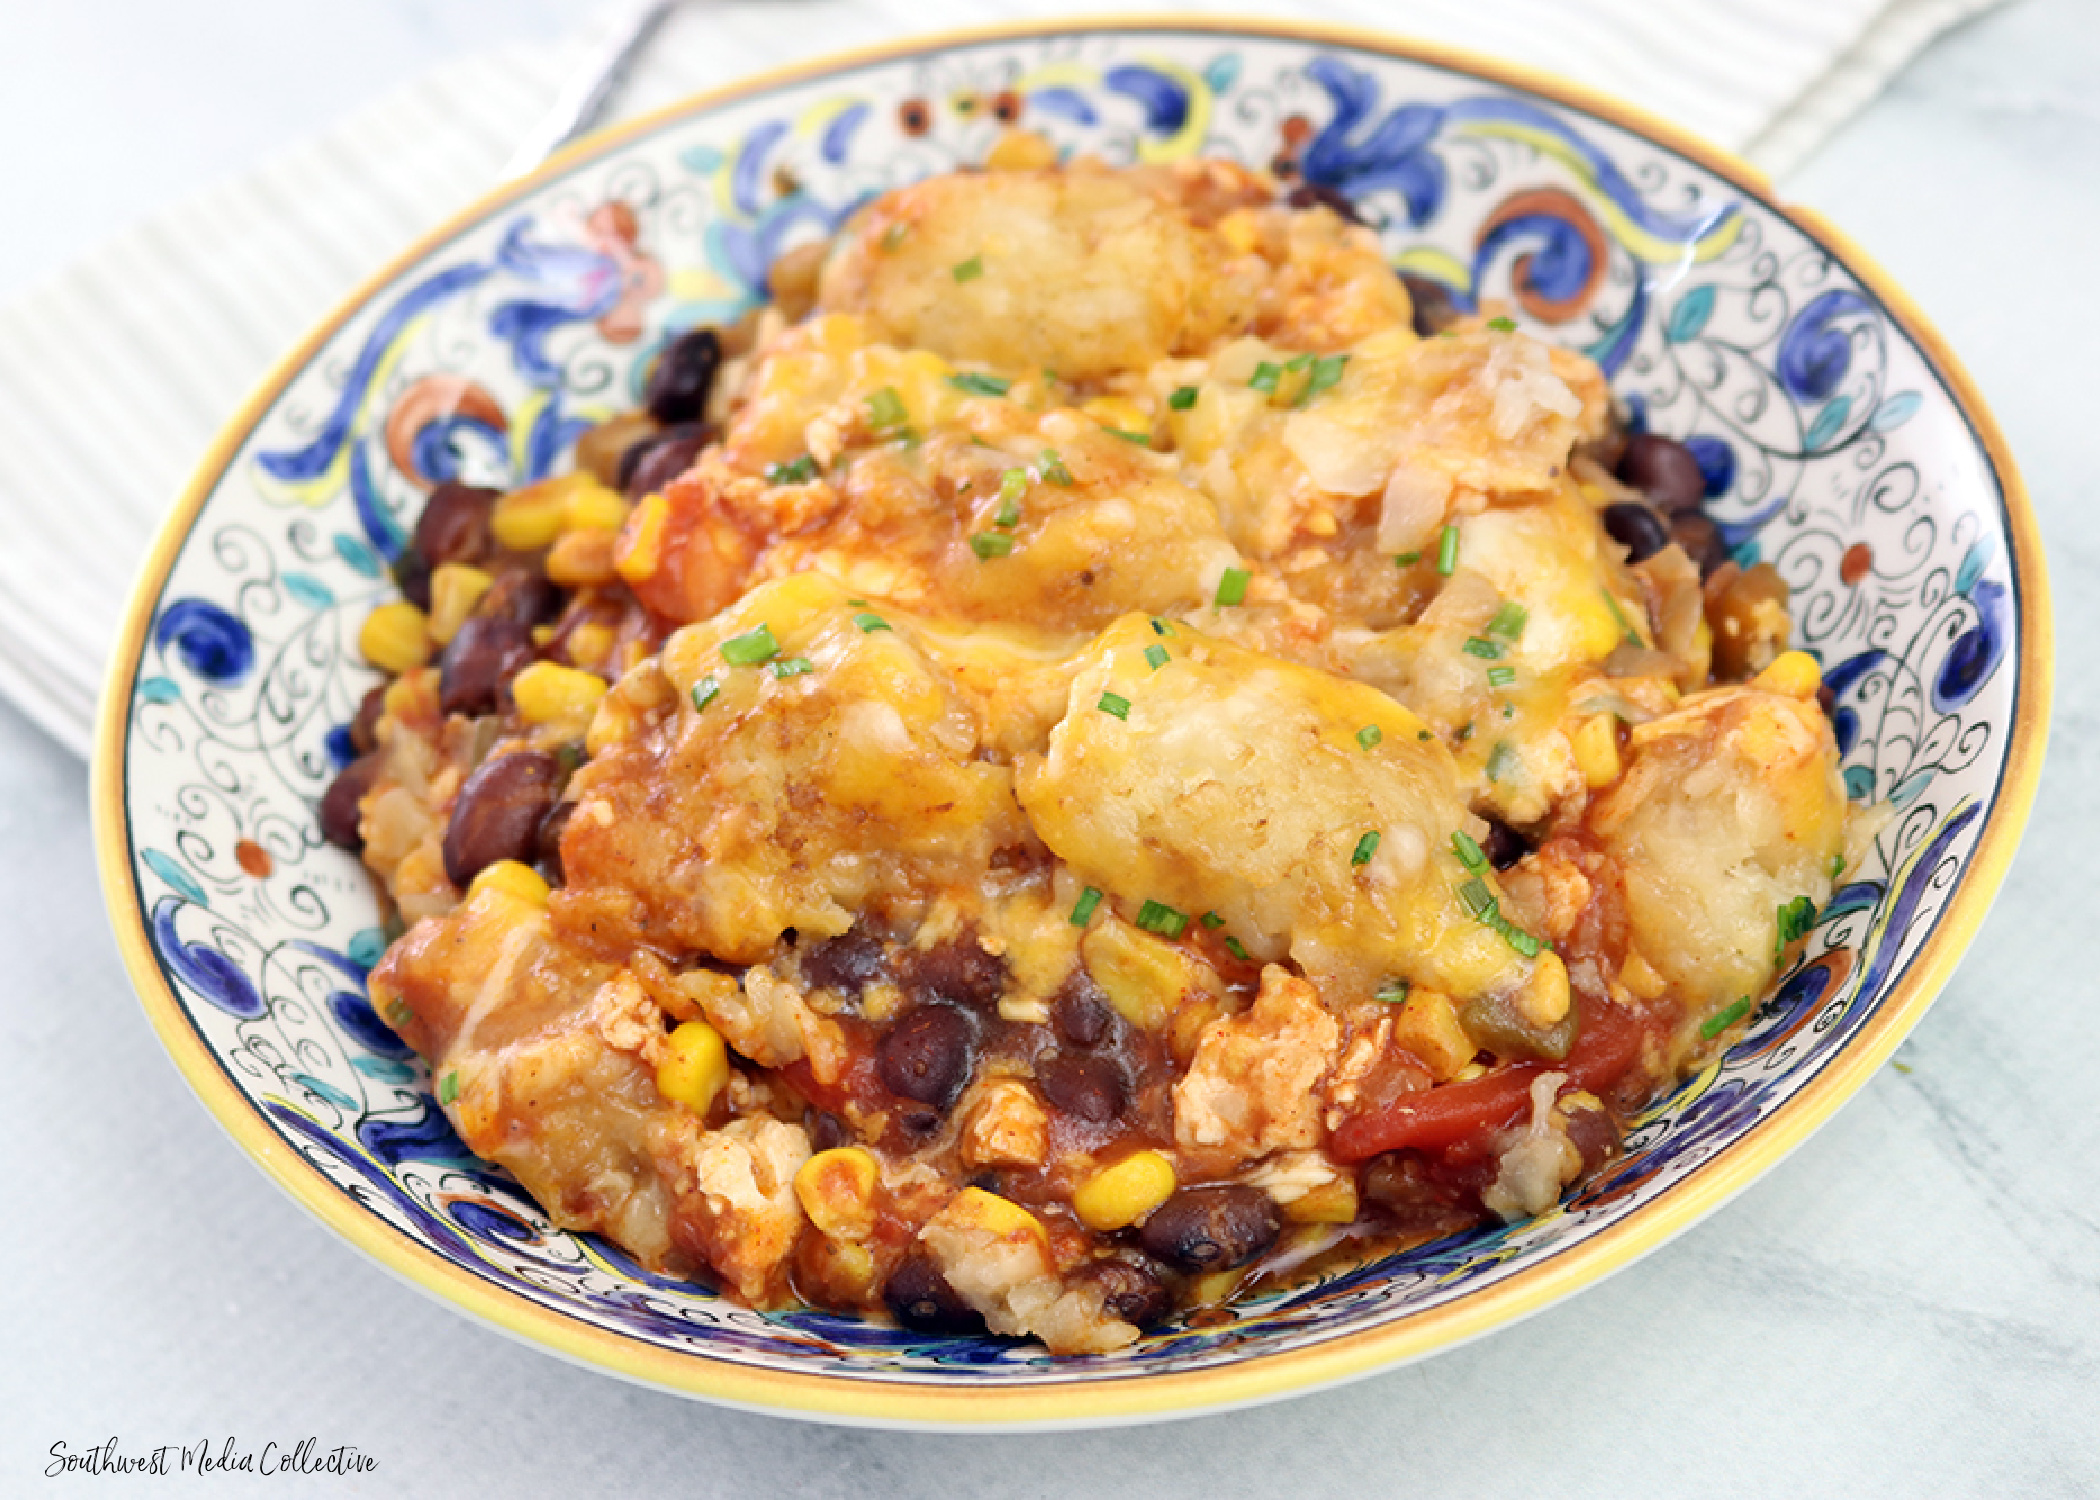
306, 1456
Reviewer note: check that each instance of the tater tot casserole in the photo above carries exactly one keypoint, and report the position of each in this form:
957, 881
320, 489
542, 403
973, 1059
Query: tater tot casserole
1102, 752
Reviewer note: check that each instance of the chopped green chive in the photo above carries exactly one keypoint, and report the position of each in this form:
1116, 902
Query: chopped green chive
1236, 948
1211, 920
990, 544
448, 1087
1501, 760
1509, 620
870, 623
1161, 627
1502, 325
1470, 854
1157, 916
1501, 677
801, 471
1465, 731
1837, 865
1720, 1021
1114, 703
1483, 648
970, 269
1232, 587
1406, 559
751, 648
1142, 439
1053, 469
1369, 736
1508, 711
1049, 375
397, 1011
705, 691
980, 385
858, 603
1156, 656
1423, 734
1476, 896
793, 666
1794, 920
1625, 625
1447, 551
1083, 908
1299, 362
1365, 848
1393, 992
1516, 936
1326, 373
1013, 484
1265, 377
1183, 398
886, 411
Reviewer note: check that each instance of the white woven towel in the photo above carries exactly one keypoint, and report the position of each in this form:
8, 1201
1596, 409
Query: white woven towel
115, 374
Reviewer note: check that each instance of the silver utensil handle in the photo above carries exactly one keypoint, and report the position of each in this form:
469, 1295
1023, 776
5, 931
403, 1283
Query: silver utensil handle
584, 97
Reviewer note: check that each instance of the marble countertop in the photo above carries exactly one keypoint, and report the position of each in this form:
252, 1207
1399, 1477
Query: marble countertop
1909, 1305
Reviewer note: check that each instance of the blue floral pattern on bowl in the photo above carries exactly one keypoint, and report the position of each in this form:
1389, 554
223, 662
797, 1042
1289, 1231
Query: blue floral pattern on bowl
1830, 445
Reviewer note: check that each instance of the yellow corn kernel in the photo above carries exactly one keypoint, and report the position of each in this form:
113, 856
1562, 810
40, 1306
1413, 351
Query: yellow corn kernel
1145, 978
1214, 1287
1020, 151
590, 643
1793, 673
582, 559
455, 588
1596, 746
1119, 412
1241, 229
1117, 1197
1546, 999
695, 1066
395, 638
543, 635
993, 1214
836, 1189
513, 879
1329, 1203
528, 519
1469, 1072
550, 694
1428, 1027
593, 507
642, 540
1640, 978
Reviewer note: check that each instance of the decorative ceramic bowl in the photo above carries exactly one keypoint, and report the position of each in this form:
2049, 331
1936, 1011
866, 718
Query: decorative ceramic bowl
1839, 438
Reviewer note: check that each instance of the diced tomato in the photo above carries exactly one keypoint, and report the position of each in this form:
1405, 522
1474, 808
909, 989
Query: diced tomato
1607, 1043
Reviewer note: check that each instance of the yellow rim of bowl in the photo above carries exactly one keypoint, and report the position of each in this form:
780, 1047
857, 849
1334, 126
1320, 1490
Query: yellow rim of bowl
1085, 1401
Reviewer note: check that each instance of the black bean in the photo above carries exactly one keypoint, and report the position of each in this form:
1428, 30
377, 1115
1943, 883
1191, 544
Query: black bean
927, 1055
1701, 540
848, 963
1080, 1011
1434, 309
412, 576
1212, 1228
338, 812
479, 663
918, 1296
1594, 1136
1637, 528
1131, 1289
455, 524
826, 1130
1504, 846
660, 458
1664, 470
364, 727
1082, 1084
959, 971
498, 812
546, 842
1826, 698
684, 374
521, 594
1311, 194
